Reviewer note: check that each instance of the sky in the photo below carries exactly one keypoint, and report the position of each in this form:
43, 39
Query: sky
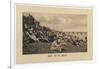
63, 22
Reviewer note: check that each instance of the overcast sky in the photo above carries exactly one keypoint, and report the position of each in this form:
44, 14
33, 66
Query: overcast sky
63, 22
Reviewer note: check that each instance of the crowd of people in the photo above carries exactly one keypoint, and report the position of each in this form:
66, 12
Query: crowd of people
34, 32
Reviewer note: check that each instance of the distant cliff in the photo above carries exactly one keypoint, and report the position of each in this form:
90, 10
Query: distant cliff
44, 34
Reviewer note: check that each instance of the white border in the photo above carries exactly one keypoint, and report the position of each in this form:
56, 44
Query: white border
12, 35
12, 28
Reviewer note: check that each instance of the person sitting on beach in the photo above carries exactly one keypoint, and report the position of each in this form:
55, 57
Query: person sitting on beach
32, 36
57, 45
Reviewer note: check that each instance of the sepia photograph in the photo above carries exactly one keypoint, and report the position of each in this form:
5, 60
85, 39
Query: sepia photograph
50, 34
54, 33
